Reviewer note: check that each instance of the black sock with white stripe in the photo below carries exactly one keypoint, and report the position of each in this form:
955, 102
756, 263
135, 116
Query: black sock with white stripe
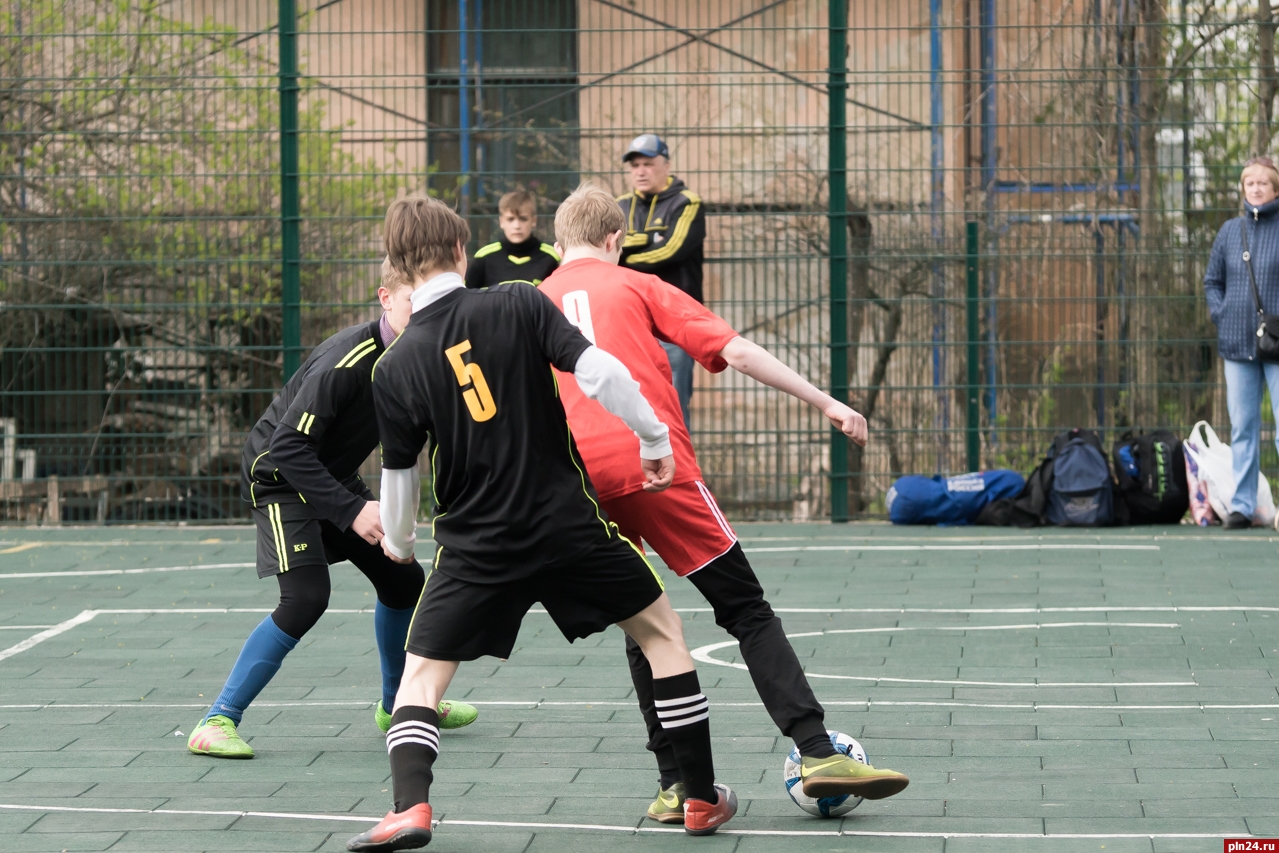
685, 716
413, 743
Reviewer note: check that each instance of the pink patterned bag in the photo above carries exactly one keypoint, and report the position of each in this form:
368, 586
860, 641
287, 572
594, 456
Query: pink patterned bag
1200, 510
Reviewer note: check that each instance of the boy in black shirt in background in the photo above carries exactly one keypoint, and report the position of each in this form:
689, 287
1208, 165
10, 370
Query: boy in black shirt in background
520, 255
517, 520
300, 471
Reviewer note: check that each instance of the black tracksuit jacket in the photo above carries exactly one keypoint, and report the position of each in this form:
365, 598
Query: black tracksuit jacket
664, 235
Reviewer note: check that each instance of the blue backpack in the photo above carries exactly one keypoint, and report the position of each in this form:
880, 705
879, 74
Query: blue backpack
949, 500
1080, 494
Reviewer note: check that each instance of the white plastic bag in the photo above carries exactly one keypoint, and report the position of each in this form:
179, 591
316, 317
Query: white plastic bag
1215, 464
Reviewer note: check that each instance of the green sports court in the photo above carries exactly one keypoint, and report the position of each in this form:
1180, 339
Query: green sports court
1064, 690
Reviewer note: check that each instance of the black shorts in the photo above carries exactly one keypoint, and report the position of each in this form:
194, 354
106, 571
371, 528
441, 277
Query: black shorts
290, 537
460, 620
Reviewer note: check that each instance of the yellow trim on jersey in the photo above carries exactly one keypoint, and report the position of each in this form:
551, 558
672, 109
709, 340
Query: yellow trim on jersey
357, 352
373, 372
550, 250
585, 490
673, 245
371, 348
518, 261
252, 468
487, 250
439, 550
277, 528
642, 556
305, 422
635, 238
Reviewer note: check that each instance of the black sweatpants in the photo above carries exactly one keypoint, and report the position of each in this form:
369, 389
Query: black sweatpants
729, 585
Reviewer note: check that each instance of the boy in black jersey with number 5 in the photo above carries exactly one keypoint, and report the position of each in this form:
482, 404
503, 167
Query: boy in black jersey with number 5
517, 520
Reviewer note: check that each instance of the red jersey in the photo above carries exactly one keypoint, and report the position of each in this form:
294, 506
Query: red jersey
626, 313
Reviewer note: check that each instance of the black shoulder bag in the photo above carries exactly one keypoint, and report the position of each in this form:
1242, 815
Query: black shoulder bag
1267, 324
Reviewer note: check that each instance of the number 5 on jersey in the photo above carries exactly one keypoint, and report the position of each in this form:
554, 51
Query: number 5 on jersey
478, 399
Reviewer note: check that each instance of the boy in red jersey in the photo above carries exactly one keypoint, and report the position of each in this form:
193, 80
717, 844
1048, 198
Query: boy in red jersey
627, 313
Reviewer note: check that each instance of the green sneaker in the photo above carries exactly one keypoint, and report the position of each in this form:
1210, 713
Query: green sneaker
217, 736
453, 715
829, 777
382, 717
669, 805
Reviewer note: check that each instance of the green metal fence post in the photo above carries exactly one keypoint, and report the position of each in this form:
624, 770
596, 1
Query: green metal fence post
837, 86
973, 426
291, 252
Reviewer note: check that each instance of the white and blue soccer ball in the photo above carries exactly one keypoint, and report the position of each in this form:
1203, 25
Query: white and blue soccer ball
823, 806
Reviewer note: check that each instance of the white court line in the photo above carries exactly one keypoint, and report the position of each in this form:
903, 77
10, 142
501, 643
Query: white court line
1043, 546
22, 627
631, 829
99, 572
702, 654
36, 639
87, 615
534, 704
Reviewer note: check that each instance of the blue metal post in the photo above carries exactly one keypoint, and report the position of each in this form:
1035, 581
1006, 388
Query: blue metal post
464, 105
1100, 273
481, 150
989, 156
937, 200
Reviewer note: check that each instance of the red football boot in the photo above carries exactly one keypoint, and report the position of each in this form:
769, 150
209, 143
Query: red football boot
404, 831
702, 818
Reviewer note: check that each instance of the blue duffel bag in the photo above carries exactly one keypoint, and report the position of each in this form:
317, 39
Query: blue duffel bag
915, 499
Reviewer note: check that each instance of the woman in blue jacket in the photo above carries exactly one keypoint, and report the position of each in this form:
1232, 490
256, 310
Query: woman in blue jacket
1234, 311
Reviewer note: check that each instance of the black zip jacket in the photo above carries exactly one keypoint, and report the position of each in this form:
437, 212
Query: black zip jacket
664, 235
502, 261
309, 445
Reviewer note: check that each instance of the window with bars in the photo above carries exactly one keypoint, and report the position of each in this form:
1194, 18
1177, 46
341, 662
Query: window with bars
502, 99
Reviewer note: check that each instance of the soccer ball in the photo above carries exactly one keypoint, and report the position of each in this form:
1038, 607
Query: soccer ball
823, 806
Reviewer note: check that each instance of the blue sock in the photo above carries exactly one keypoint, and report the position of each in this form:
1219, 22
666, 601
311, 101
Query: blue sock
257, 664
392, 630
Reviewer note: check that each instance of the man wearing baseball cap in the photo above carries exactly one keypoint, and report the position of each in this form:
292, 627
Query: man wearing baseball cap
665, 228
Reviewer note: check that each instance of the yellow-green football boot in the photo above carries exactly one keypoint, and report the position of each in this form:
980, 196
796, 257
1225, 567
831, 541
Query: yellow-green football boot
839, 774
453, 715
669, 805
217, 736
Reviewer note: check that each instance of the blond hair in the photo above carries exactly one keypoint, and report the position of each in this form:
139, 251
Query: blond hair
393, 279
421, 236
517, 200
1266, 165
587, 216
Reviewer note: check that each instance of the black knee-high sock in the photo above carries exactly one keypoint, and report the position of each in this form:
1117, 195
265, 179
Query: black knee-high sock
685, 716
413, 743
658, 743
811, 739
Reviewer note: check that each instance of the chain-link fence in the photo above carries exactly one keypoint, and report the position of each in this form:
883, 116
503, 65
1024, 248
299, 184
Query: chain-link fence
1021, 214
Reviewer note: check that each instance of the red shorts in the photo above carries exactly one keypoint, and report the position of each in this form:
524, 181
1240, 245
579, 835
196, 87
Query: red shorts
683, 524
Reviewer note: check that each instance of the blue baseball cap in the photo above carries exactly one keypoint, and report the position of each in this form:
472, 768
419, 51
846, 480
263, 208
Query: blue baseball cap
647, 145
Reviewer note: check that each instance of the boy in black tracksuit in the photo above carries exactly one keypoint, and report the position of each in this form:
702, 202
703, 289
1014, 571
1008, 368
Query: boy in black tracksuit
520, 255
300, 472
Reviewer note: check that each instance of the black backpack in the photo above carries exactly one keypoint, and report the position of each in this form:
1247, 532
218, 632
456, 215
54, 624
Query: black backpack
1082, 491
1071, 487
1151, 470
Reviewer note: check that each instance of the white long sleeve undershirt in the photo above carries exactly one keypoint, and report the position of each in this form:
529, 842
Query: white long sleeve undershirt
400, 496
601, 377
